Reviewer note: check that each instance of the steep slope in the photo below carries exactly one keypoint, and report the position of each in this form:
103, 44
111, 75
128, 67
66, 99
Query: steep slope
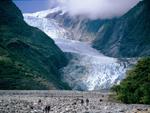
79, 28
82, 29
88, 69
128, 36
29, 59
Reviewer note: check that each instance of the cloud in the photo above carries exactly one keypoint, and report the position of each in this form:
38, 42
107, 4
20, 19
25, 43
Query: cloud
103, 9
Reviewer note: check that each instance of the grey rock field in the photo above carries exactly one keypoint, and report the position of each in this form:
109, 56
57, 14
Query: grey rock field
63, 102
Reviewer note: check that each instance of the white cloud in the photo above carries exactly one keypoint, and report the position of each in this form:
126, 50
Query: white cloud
103, 9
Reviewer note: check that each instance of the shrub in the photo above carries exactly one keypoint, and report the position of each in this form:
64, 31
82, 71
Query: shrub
136, 87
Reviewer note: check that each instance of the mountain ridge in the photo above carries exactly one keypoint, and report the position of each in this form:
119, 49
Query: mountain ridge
29, 59
127, 36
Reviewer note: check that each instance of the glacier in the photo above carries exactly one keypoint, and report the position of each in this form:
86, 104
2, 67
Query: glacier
88, 69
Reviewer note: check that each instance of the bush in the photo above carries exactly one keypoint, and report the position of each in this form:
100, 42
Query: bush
136, 87
5, 60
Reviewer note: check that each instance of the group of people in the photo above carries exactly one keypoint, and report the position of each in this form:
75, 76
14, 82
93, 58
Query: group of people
48, 107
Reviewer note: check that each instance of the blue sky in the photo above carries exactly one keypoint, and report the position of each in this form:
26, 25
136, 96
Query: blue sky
28, 6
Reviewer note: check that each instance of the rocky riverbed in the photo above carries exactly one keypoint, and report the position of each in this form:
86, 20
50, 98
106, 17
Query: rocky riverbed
63, 102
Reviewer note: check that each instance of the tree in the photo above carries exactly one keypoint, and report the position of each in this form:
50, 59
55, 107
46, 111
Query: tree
135, 88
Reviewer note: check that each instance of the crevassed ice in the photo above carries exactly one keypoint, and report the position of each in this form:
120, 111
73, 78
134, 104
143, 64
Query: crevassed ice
93, 72
88, 69
50, 27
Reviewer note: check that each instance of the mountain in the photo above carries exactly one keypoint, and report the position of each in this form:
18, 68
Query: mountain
127, 36
88, 69
79, 28
29, 59
82, 29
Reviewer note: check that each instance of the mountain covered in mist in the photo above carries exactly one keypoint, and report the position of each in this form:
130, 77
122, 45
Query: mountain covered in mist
87, 69
76, 34
77, 27
29, 59
128, 36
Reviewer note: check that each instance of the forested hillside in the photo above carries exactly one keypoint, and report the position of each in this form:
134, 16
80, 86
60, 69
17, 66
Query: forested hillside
29, 59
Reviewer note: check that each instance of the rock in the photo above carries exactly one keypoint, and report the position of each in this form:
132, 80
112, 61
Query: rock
62, 102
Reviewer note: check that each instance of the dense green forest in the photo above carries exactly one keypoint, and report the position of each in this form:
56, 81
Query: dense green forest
29, 59
136, 87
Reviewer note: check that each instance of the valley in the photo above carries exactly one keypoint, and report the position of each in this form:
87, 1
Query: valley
88, 69
54, 61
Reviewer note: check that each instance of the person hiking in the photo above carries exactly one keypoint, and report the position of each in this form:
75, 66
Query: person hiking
47, 109
87, 102
82, 101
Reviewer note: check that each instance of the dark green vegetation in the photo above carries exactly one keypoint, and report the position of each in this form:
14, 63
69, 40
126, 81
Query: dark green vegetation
29, 59
127, 36
136, 87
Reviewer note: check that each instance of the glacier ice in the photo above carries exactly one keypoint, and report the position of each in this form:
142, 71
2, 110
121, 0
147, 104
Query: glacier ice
88, 69
85, 72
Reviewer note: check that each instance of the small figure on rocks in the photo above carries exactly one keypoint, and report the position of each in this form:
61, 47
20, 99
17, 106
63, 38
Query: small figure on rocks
82, 101
87, 102
100, 100
39, 102
47, 109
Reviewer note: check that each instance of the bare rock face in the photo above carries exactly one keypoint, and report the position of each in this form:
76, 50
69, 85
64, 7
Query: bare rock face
127, 36
63, 102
